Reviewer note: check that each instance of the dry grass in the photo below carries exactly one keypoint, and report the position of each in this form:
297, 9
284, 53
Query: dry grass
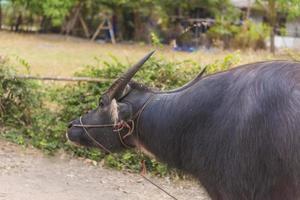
57, 55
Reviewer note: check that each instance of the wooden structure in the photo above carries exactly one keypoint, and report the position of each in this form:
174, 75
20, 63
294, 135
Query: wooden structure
105, 25
74, 18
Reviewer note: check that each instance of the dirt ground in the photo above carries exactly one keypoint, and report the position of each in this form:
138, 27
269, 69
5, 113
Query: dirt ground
27, 174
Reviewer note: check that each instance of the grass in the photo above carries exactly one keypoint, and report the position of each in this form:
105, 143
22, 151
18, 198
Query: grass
56, 55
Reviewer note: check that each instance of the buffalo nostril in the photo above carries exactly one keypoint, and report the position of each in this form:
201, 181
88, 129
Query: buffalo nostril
70, 124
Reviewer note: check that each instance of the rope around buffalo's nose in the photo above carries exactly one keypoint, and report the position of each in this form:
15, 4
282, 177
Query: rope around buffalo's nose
109, 152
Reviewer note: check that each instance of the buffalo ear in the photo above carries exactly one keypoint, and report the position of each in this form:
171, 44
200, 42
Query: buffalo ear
105, 100
125, 92
125, 111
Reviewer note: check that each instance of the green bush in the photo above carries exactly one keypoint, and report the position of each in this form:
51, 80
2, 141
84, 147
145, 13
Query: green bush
222, 33
249, 35
17, 98
38, 114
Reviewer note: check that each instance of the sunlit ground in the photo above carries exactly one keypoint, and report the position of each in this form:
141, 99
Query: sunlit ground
56, 55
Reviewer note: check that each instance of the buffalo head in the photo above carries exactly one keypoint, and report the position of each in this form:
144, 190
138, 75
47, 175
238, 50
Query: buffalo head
111, 124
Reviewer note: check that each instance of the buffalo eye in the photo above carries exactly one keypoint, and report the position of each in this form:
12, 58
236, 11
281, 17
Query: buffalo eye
101, 104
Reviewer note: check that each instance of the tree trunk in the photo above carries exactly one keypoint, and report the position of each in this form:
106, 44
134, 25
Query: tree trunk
248, 11
0, 14
19, 22
45, 24
272, 40
138, 27
247, 16
272, 13
42, 24
119, 20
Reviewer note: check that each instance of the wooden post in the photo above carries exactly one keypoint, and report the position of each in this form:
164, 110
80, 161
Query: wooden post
100, 27
111, 32
73, 21
69, 25
84, 26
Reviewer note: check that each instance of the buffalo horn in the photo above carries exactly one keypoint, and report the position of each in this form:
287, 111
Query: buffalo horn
118, 86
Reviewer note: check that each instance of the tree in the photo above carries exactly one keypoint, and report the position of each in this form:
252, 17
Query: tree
289, 8
0, 14
53, 10
57, 10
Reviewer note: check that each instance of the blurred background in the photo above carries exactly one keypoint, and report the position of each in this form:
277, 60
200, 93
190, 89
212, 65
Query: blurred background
187, 24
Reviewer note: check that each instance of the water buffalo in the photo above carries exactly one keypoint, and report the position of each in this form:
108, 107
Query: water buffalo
237, 131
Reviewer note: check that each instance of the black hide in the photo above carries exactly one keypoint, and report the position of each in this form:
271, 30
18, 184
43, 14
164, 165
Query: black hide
237, 131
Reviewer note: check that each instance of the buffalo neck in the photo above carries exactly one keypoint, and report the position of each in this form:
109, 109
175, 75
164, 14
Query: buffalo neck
170, 121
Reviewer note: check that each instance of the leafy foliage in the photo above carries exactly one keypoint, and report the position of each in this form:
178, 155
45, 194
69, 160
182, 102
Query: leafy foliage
56, 10
289, 7
17, 98
251, 35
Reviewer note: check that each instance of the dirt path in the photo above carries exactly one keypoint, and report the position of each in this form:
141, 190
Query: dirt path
29, 175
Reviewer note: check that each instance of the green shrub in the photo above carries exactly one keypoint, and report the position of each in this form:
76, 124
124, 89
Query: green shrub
155, 40
18, 98
249, 35
222, 33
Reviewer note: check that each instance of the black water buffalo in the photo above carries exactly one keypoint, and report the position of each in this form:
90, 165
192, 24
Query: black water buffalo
237, 131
